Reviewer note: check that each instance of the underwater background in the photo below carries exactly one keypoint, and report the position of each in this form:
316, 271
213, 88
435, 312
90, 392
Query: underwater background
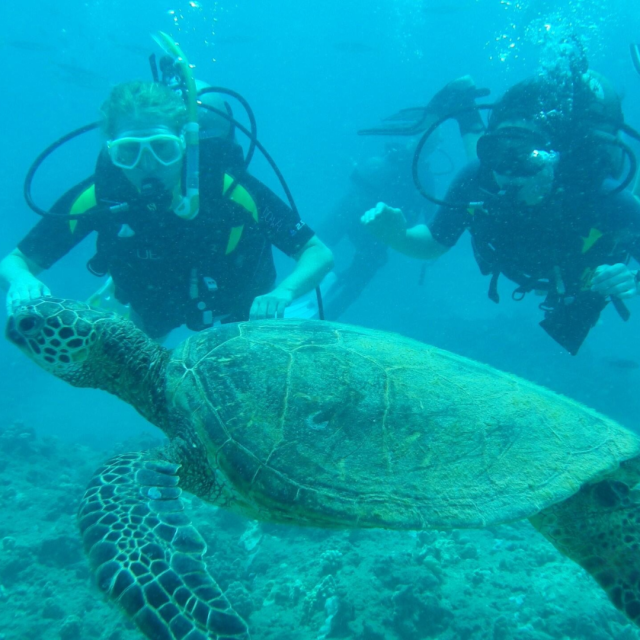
314, 73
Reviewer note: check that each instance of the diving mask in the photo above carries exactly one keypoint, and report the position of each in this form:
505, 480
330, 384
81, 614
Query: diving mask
515, 151
166, 148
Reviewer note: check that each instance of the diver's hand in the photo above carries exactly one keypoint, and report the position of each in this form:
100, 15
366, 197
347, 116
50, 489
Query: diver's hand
24, 289
386, 223
615, 280
271, 305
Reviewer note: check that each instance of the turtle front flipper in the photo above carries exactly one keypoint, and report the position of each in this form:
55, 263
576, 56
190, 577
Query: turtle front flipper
147, 556
599, 528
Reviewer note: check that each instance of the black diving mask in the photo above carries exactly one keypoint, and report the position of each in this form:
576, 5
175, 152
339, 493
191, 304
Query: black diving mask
514, 151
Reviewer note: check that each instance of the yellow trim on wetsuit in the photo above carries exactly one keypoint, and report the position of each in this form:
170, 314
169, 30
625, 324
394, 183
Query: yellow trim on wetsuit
234, 238
591, 239
587, 243
585, 279
242, 197
85, 201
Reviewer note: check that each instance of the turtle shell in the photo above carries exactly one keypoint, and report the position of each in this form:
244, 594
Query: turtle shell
317, 423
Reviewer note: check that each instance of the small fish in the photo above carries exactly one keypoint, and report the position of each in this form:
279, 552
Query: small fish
28, 45
78, 72
81, 77
622, 363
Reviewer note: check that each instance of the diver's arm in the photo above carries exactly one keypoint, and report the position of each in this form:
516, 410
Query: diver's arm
313, 261
48, 241
419, 243
390, 226
18, 277
620, 280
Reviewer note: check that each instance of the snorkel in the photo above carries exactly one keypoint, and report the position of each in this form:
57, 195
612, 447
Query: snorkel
189, 206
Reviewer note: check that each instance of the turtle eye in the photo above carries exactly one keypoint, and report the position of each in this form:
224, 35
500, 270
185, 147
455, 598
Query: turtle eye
29, 325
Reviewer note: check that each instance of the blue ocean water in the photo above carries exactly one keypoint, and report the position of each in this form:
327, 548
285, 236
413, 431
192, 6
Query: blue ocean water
314, 73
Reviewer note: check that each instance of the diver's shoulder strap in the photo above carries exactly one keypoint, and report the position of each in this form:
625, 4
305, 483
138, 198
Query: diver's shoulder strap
85, 201
238, 194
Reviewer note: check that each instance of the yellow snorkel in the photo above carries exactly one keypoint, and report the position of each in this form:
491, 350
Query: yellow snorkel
190, 204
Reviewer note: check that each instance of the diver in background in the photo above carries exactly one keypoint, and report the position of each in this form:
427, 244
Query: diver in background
635, 59
170, 269
540, 206
387, 178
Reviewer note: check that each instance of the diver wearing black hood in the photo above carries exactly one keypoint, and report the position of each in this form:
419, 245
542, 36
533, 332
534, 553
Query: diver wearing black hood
540, 204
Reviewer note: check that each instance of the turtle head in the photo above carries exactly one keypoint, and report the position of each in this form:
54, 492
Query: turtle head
58, 335
91, 348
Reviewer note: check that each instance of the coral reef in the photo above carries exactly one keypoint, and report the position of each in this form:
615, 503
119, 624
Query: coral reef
299, 584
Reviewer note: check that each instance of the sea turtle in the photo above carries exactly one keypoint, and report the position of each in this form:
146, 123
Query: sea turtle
315, 423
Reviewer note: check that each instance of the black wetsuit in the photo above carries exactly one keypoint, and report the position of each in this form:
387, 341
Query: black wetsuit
553, 247
174, 271
379, 179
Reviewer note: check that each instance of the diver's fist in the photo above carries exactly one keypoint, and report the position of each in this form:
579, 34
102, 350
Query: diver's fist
385, 222
271, 305
24, 289
615, 280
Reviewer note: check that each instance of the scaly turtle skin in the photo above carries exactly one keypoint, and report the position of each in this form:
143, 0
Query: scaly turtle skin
328, 425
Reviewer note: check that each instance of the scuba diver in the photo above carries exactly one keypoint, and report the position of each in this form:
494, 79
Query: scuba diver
387, 178
176, 253
635, 59
541, 203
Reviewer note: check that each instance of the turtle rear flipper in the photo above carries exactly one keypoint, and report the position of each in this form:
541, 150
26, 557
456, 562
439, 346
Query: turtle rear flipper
147, 556
599, 528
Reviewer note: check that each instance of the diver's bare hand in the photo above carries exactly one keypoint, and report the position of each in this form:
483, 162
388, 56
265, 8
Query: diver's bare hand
24, 289
386, 223
615, 280
271, 305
